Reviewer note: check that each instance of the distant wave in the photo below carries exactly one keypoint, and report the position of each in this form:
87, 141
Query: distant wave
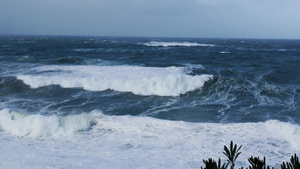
169, 44
170, 81
86, 49
281, 50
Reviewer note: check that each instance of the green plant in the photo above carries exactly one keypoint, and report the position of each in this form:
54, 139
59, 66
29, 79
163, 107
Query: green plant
232, 153
294, 164
211, 164
256, 163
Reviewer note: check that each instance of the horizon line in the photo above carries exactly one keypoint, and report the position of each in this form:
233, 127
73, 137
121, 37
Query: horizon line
135, 36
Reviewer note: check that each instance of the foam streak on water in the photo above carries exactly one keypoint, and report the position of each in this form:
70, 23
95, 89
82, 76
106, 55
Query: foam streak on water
170, 44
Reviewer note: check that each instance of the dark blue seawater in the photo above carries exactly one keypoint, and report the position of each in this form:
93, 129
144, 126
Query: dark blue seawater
118, 102
253, 80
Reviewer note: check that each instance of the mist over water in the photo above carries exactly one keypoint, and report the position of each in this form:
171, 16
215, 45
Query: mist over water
141, 94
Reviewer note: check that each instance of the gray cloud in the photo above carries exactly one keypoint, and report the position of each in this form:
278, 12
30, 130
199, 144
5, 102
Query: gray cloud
179, 18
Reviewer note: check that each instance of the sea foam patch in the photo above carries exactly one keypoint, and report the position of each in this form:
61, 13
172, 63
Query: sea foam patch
170, 81
142, 142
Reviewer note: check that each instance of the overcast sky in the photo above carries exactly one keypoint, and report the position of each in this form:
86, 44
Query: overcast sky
158, 18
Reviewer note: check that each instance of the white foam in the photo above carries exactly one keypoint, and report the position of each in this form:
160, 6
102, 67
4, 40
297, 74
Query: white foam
286, 131
142, 142
87, 49
184, 145
84, 49
281, 50
170, 44
194, 66
170, 81
20, 124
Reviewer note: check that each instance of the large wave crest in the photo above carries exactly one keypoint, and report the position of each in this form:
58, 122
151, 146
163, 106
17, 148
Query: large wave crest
170, 81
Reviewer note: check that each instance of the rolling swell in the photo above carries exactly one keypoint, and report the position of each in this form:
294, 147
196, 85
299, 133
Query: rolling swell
10, 85
78, 60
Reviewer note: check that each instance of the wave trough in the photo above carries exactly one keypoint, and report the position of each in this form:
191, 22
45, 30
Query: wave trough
170, 81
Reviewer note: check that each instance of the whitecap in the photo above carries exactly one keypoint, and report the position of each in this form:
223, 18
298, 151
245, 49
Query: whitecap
170, 44
224, 52
281, 50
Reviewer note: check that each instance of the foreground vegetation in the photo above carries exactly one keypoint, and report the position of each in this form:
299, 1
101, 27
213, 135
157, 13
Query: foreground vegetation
255, 163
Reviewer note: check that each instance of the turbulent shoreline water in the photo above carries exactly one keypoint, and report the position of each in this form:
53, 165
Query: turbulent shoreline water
129, 102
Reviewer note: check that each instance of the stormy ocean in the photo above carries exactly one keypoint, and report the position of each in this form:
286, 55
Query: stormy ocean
108, 102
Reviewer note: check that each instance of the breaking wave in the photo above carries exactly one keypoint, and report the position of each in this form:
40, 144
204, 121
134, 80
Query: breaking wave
170, 81
271, 138
21, 124
36, 125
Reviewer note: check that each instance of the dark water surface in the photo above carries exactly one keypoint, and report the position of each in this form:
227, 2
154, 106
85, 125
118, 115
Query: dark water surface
252, 80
